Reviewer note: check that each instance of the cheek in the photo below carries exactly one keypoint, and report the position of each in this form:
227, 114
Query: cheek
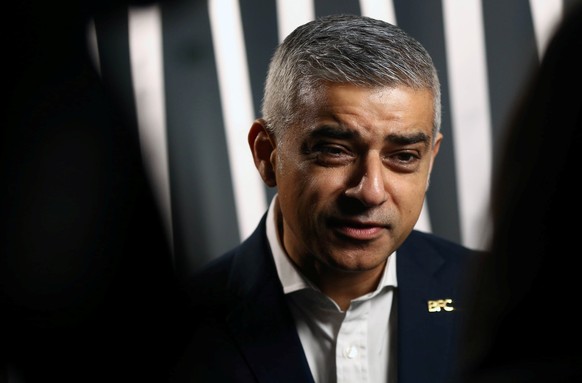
327, 184
409, 193
309, 192
308, 188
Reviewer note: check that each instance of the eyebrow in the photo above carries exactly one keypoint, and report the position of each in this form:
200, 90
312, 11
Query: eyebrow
402, 139
343, 133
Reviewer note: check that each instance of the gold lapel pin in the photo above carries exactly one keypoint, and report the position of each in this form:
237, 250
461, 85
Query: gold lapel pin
440, 304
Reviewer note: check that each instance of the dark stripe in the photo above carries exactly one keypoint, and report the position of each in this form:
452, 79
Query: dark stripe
424, 21
203, 207
113, 47
570, 5
261, 39
511, 56
328, 7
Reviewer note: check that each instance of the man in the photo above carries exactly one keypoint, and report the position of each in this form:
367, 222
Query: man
335, 285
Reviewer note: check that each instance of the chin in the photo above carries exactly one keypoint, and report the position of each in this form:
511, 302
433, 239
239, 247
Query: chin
359, 263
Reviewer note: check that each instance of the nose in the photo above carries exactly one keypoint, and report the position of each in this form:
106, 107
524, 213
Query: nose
370, 189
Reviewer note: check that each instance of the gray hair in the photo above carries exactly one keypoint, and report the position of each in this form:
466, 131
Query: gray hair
347, 49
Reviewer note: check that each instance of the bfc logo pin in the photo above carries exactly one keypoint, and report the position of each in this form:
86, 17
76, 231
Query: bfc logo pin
439, 305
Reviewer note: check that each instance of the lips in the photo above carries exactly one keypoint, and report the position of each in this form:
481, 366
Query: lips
358, 230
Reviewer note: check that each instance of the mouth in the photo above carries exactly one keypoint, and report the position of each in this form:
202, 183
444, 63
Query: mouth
359, 230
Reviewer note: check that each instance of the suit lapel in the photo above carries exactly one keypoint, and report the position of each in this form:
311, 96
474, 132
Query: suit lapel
425, 338
261, 321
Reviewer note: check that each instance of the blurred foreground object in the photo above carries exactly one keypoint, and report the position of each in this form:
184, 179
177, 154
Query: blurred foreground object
523, 321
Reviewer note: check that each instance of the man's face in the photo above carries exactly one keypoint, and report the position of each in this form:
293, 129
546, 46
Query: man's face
352, 177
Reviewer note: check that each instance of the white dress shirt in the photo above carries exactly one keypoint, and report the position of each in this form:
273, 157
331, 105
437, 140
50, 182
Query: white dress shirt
350, 346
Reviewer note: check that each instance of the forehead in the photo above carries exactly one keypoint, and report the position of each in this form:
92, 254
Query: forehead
369, 111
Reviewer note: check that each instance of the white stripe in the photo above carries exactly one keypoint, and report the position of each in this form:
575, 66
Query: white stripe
236, 101
546, 15
92, 45
145, 49
381, 10
423, 223
293, 13
467, 72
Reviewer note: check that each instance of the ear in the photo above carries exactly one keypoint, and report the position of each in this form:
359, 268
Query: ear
263, 150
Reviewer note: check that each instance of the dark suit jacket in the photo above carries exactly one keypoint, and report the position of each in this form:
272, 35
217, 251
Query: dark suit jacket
246, 332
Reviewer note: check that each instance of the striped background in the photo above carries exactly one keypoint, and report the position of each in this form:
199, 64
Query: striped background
191, 74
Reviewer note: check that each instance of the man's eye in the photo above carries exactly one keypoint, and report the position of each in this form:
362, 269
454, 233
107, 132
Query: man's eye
331, 150
332, 155
403, 161
405, 157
